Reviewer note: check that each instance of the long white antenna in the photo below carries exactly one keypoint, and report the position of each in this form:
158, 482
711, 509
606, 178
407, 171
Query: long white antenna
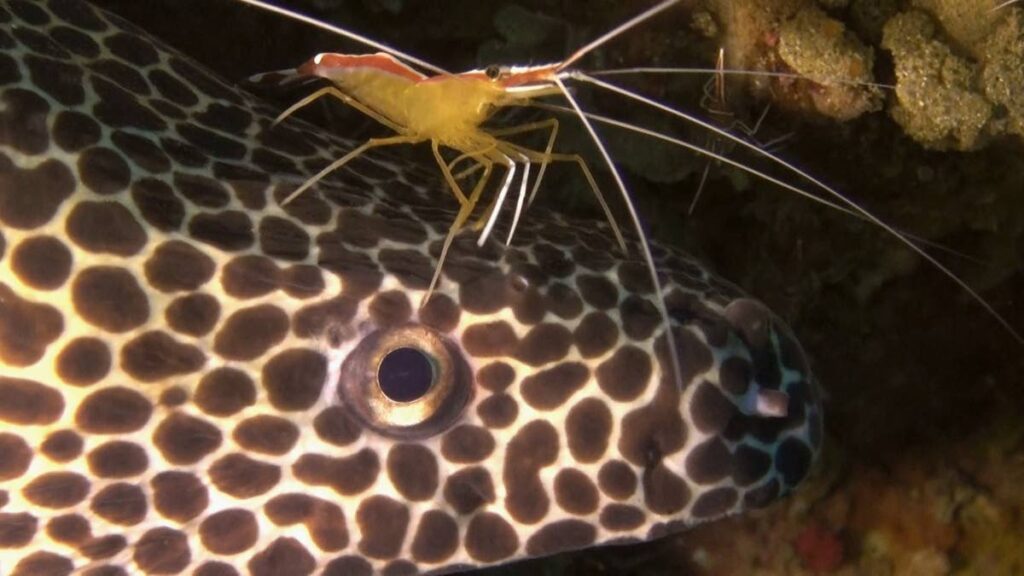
346, 33
670, 339
828, 189
650, 12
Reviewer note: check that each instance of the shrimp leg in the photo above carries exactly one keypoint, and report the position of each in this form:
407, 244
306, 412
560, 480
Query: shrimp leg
371, 143
333, 91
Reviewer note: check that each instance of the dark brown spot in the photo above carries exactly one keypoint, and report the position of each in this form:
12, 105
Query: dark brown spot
714, 503
315, 320
83, 361
588, 428
496, 376
50, 182
62, 446
467, 444
710, 410
793, 460
383, 523
193, 315
230, 230
155, 355
639, 317
42, 262
617, 480
249, 276
105, 228
709, 462
229, 531
184, 439
294, 378
120, 503
348, 566
43, 564
243, 477
469, 489
560, 536
440, 313
162, 551
118, 459
110, 298
16, 530
413, 471
266, 434
214, 569
625, 375
302, 281
283, 556
621, 517
437, 538
489, 538
15, 456
337, 426
103, 546
751, 465
178, 266
56, 489
489, 340
549, 389
735, 374
324, 520
391, 308
347, 475
654, 429
597, 291
225, 391
248, 333
283, 239
173, 397
575, 493
532, 448
543, 344
664, 491
114, 410
498, 410
26, 329
179, 496
596, 334
69, 528
28, 402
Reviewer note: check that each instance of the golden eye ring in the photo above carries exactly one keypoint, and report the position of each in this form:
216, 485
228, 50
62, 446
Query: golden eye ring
405, 382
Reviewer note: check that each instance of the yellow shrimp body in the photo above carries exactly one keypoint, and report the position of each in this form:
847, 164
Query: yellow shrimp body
447, 109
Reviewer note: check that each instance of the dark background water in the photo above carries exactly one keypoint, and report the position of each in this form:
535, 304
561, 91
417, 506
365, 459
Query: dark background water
922, 384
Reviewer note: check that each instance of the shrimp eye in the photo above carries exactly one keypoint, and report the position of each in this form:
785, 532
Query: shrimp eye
405, 382
493, 71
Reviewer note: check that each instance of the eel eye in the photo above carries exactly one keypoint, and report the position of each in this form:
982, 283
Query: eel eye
493, 71
405, 382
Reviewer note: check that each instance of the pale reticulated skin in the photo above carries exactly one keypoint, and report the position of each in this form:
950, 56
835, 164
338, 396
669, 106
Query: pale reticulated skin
175, 345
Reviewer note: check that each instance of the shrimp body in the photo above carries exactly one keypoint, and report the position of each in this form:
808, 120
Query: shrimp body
447, 108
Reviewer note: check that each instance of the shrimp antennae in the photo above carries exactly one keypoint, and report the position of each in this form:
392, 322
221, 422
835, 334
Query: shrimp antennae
298, 16
614, 32
577, 75
735, 72
677, 371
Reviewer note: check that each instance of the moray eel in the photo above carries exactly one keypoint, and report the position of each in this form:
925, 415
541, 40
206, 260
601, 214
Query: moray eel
197, 380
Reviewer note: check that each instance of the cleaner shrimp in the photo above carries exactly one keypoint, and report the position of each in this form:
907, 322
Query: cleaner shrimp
352, 79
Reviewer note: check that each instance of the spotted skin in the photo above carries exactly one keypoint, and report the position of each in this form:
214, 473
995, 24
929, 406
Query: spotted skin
188, 367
